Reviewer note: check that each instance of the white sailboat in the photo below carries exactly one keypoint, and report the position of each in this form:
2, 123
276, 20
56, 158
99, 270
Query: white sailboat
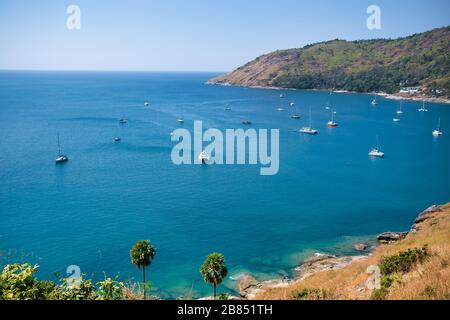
61, 157
331, 123
374, 101
294, 115
438, 132
281, 107
400, 111
376, 152
308, 130
203, 157
423, 109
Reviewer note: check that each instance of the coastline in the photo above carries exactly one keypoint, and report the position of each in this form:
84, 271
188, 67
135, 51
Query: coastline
394, 96
250, 288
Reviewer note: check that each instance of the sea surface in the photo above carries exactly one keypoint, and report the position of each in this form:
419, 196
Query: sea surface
328, 195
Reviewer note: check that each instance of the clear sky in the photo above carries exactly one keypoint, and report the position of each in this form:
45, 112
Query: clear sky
191, 35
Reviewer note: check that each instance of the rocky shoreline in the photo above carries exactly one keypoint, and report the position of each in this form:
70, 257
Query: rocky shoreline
381, 94
249, 287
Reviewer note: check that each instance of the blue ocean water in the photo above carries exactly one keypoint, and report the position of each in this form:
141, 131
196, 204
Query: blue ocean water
328, 194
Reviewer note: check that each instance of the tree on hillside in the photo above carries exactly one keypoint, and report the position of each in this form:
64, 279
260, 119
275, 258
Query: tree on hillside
213, 270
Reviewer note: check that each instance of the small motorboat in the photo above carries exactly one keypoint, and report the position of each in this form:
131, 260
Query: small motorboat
180, 120
146, 103
123, 121
376, 153
374, 102
396, 120
246, 122
117, 139
295, 116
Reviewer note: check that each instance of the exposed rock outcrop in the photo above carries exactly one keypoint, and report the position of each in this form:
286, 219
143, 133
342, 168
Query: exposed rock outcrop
425, 215
389, 237
322, 262
360, 247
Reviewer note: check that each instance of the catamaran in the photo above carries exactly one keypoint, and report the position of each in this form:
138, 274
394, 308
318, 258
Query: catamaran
438, 132
308, 130
376, 152
61, 157
423, 109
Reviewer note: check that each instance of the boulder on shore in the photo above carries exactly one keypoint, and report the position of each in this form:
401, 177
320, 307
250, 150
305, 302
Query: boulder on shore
322, 262
360, 247
388, 237
425, 215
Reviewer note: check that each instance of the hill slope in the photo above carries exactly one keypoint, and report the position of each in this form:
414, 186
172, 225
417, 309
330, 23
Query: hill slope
417, 267
361, 66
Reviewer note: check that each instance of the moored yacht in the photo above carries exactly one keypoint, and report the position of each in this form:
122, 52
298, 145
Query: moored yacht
281, 107
308, 130
61, 157
400, 111
438, 132
423, 109
331, 123
376, 152
203, 157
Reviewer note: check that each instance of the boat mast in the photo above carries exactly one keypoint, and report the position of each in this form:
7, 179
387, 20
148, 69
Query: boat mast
59, 146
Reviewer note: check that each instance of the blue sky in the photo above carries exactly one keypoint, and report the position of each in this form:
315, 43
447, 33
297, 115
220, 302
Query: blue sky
191, 35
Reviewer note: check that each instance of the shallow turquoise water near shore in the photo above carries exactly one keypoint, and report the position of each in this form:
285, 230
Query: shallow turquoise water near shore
328, 194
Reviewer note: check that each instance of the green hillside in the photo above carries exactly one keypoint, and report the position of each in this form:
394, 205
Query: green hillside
361, 66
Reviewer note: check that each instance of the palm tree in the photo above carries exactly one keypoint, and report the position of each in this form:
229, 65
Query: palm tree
142, 255
213, 270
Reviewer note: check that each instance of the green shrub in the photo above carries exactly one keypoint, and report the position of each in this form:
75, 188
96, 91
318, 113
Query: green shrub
223, 296
379, 294
403, 261
309, 294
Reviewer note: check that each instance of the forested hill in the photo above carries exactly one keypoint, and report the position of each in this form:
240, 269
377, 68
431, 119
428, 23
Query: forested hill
362, 66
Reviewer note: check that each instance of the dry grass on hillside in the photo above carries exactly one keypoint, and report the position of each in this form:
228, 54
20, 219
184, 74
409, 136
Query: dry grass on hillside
428, 280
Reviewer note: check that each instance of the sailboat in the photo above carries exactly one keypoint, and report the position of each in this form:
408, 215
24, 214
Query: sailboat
203, 157
400, 111
375, 152
423, 109
438, 132
61, 157
374, 101
331, 123
308, 130
228, 108
295, 115
281, 108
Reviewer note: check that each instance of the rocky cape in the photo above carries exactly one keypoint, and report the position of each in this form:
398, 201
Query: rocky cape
249, 287
380, 65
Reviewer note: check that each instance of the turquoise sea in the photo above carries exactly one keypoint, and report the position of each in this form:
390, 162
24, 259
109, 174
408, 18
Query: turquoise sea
327, 196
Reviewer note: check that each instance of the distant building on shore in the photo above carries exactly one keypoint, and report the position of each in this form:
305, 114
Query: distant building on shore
410, 90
